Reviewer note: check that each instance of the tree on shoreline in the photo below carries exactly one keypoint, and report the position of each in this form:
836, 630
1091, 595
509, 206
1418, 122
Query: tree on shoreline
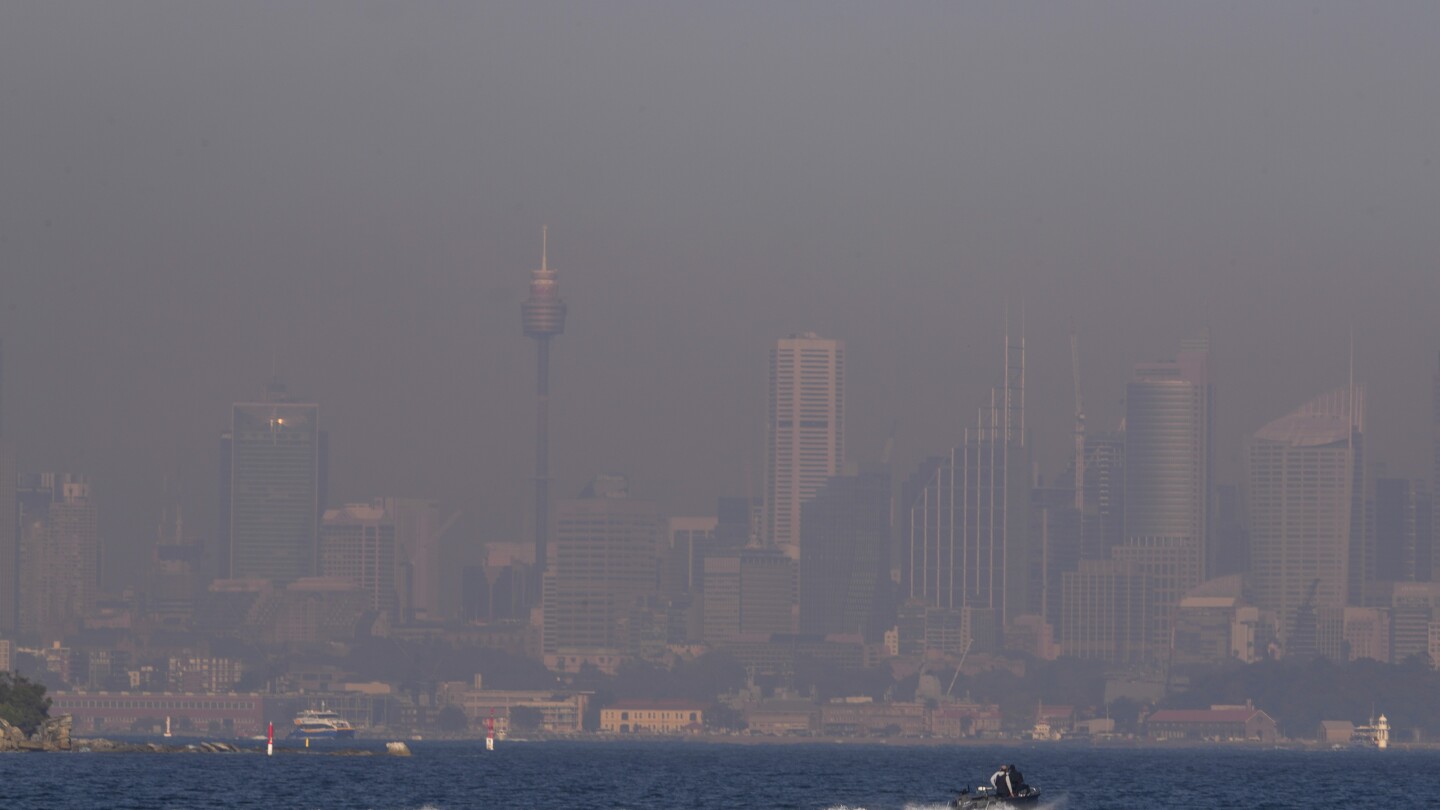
23, 703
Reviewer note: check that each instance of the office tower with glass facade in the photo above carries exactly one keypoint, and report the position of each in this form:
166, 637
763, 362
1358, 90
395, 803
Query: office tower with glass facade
272, 477
969, 525
1401, 531
805, 430
1305, 488
845, 531
1169, 413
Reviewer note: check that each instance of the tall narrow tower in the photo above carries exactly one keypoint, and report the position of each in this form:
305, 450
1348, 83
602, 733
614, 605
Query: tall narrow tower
9, 537
805, 430
542, 316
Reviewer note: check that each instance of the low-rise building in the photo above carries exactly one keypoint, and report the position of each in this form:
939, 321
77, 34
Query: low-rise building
652, 717
965, 720
1336, 732
241, 715
847, 717
554, 712
1217, 723
783, 718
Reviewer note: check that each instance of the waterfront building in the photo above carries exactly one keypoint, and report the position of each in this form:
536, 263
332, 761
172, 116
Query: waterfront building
656, 716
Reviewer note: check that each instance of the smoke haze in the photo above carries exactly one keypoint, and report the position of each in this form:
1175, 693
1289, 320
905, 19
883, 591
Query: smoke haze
350, 195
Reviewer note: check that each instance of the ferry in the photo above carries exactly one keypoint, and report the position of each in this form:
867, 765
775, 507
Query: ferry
323, 724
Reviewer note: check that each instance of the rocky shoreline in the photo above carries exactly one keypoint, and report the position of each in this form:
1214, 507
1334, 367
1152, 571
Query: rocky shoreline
54, 735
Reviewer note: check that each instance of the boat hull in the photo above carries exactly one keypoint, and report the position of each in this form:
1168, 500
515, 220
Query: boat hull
322, 734
980, 801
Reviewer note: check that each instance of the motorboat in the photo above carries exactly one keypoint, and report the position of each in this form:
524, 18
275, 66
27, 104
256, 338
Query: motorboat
986, 796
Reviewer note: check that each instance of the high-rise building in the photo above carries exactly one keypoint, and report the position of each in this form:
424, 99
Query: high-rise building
737, 521
9, 526
1169, 413
1103, 522
606, 561
845, 531
1055, 536
746, 592
969, 525
805, 430
1229, 534
1304, 471
175, 573
59, 551
1401, 533
357, 544
273, 489
418, 575
1435, 471
1106, 612
542, 317
688, 540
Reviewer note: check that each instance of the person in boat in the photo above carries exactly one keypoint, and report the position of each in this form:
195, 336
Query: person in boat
1015, 780
999, 781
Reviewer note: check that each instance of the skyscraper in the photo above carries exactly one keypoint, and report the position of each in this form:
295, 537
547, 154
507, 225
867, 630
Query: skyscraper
174, 580
1401, 531
1169, 411
273, 478
606, 561
1435, 472
845, 531
805, 430
418, 529
60, 551
969, 525
1103, 522
1304, 469
9, 527
542, 317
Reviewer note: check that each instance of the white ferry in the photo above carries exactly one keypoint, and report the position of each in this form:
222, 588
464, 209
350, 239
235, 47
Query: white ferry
323, 724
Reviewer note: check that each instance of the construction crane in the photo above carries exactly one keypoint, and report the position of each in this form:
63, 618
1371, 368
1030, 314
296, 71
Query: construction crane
1079, 424
963, 652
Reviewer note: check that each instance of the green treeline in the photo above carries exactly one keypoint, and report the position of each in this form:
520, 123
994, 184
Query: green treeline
23, 702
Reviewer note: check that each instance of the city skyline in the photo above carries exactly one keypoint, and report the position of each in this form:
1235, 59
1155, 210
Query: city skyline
717, 178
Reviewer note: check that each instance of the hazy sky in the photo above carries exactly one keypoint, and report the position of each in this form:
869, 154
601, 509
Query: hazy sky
354, 192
